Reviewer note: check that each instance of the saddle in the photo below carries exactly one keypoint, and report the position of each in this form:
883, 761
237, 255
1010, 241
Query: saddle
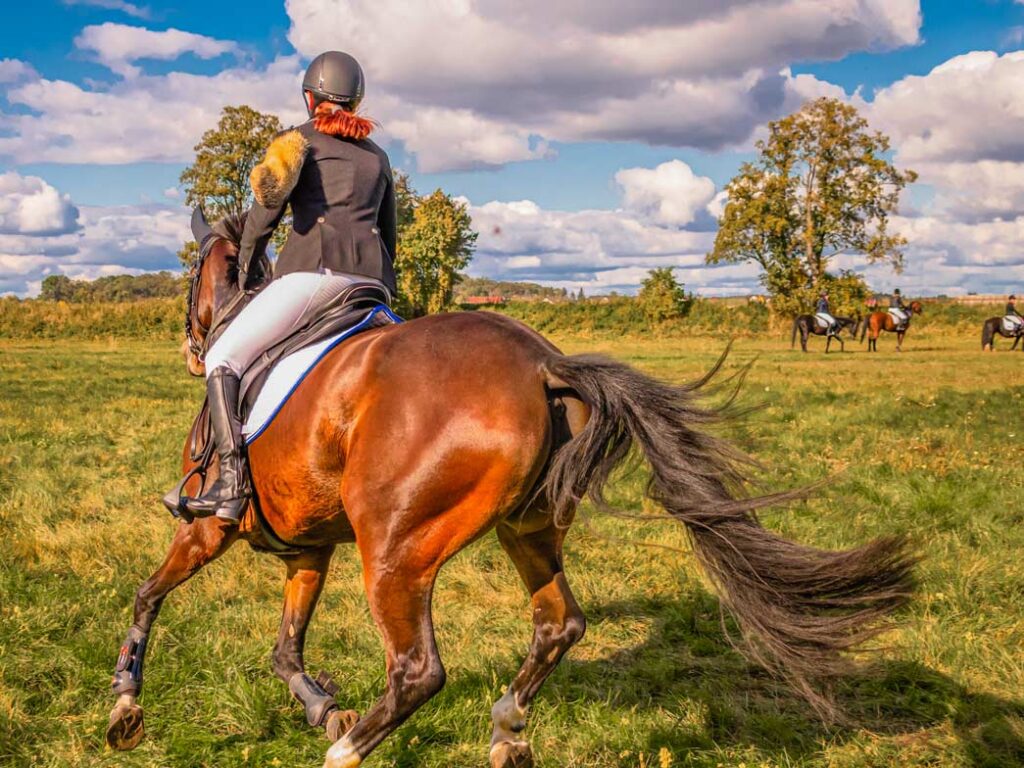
1013, 325
899, 316
359, 308
825, 322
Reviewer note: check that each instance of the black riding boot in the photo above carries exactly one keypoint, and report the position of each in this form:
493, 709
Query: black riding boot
229, 495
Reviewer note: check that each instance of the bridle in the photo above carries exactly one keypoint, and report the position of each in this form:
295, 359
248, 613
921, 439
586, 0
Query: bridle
196, 346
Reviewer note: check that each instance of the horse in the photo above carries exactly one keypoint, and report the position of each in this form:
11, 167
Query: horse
877, 322
993, 326
413, 440
807, 324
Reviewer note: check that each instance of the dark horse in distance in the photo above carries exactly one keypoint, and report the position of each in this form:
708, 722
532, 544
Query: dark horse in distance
994, 326
880, 321
413, 440
808, 324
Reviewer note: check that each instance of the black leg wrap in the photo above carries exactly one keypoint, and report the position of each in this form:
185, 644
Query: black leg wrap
128, 672
318, 702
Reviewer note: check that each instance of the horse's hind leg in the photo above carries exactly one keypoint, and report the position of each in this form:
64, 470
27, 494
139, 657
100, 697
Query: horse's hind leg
558, 623
194, 546
305, 581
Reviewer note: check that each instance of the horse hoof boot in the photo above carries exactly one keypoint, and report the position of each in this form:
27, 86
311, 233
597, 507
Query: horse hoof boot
126, 728
340, 722
511, 754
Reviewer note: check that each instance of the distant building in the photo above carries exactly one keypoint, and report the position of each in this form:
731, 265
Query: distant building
483, 300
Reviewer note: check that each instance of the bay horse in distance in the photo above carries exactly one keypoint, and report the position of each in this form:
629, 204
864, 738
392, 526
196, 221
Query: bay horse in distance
993, 327
880, 321
412, 441
806, 325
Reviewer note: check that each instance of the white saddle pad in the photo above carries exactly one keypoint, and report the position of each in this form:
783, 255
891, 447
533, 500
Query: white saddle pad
286, 376
1012, 324
824, 321
898, 315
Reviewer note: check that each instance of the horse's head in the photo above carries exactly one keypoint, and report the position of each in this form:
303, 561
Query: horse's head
213, 286
916, 307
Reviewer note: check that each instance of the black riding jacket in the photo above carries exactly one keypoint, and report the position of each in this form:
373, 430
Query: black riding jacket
1011, 309
343, 212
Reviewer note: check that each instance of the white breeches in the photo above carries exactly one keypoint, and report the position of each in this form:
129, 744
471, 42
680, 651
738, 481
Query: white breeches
284, 306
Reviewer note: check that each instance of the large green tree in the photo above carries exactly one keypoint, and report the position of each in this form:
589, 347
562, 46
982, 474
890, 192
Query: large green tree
218, 178
436, 242
822, 185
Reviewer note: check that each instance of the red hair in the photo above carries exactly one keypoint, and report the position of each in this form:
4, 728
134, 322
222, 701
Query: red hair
335, 121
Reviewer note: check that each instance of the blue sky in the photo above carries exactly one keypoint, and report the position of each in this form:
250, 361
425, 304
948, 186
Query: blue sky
591, 139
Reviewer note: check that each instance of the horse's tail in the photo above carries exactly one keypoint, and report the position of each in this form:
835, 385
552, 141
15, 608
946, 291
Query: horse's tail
987, 334
798, 608
796, 324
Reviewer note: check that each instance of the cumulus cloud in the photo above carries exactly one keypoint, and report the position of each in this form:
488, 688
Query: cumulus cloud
145, 118
668, 194
700, 74
961, 126
30, 206
15, 70
118, 46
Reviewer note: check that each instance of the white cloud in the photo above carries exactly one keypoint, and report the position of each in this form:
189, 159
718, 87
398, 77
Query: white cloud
669, 194
961, 127
30, 206
15, 70
130, 9
103, 240
146, 118
700, 74
117, 46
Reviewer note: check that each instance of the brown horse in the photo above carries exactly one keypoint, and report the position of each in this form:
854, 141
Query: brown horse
877, 322
414, 440
994, 327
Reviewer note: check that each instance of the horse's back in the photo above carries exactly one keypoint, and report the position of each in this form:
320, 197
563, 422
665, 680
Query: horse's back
446, 411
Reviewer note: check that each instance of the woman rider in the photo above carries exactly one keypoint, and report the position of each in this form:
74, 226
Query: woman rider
1011, 306
343, 231
826, 313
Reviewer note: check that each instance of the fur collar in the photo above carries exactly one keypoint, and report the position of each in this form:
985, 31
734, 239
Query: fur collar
335, 121
276, 176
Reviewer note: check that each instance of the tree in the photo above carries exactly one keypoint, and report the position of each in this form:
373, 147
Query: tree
662, 297
820, 186
218, 179
434, 246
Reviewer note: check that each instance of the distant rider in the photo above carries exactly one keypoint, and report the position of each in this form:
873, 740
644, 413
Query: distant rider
342, 197
896, 302
1011, 307
825, 313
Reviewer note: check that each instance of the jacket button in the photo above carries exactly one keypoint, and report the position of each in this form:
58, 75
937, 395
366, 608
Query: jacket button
375, 230
321, 219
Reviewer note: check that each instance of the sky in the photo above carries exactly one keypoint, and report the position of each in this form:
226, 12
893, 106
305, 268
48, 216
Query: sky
590, 139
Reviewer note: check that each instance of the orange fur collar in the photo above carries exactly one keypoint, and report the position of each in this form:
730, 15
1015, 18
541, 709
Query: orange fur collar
334, 121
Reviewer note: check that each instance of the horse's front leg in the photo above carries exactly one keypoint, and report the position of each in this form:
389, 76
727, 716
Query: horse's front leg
828, 343
899, 340
195, 544
305, 581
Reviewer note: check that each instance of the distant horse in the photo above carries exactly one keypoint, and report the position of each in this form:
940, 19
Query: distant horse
993, 326
414, 440
880, 321
807, 324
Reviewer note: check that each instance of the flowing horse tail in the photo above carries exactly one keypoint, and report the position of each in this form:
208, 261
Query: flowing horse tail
798, 608
796, 323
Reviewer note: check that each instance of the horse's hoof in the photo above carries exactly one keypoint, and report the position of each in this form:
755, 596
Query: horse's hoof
511, 754
340, 722
126, 729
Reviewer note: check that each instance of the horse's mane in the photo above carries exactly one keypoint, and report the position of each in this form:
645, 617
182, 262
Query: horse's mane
230, 227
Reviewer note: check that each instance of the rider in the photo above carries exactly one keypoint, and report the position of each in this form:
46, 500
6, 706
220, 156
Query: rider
1011, 306
825, 313
896, 302
342, 196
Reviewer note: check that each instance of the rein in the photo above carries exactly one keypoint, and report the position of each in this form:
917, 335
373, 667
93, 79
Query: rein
199, 347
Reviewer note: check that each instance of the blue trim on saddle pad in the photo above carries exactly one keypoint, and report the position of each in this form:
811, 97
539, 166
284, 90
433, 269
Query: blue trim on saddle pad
348, 333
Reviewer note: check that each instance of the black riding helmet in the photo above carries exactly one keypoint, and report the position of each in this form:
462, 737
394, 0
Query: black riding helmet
335, 77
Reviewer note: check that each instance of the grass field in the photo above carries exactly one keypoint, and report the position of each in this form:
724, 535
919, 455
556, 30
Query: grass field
925, 443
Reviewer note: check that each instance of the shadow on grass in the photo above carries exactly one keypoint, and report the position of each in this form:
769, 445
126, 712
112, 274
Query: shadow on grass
687, 665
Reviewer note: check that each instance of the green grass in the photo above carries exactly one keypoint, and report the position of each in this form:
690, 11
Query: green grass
924, 443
